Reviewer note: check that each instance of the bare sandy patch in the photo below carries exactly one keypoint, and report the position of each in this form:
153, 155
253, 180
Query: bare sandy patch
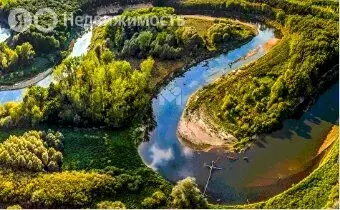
271, 43
198, 132
330, 138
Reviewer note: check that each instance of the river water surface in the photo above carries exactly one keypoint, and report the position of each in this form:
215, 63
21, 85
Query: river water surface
4, 33
269, 167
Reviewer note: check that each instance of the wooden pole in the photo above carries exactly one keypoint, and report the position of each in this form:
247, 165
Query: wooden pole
212, 167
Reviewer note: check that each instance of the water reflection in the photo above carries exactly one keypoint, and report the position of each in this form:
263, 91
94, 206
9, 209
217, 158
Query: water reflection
11, 95
5, 33
81, 46
160, 157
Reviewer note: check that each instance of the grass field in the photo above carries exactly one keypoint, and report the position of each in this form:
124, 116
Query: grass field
97, 149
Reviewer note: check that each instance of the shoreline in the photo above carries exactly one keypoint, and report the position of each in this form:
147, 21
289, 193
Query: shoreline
196, 131
207, 135
328, 141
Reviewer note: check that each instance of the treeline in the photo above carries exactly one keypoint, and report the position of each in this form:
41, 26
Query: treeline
33, 151
100, 90
82, 189
56, 190
243, 9
225, 32
321, 9
22, 56
47, 42
255, 9
89, 4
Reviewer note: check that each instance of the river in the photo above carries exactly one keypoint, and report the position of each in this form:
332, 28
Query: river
269, 167
4, 33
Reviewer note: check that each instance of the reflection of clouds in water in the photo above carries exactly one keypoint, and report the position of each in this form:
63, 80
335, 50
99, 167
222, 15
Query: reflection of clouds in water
185, 172
187, 152
81, 46
158, 156
4, 34
11, 95
193, 84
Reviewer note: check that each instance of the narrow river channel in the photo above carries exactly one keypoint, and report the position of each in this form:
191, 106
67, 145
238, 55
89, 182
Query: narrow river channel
272, 165
80, 48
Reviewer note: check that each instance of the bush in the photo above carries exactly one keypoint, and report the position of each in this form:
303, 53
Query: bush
155, 201
14, 207
28, 153
111, 205
186, 195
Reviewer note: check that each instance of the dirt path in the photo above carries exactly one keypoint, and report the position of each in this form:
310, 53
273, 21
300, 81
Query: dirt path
28, 82
203, 17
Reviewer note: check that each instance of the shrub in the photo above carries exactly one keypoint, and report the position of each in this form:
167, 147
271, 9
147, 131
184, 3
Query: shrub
111, 205
186, 195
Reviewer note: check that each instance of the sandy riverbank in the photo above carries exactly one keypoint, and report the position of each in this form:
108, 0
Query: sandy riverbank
332, 136
198, 132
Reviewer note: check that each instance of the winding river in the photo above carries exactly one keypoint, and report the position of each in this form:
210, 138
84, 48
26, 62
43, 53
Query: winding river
269, 167
272, 165
80, 48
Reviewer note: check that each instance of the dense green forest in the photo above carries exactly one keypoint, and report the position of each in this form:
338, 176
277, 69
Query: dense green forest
168, 40
47, 47
21, 56
34, 151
